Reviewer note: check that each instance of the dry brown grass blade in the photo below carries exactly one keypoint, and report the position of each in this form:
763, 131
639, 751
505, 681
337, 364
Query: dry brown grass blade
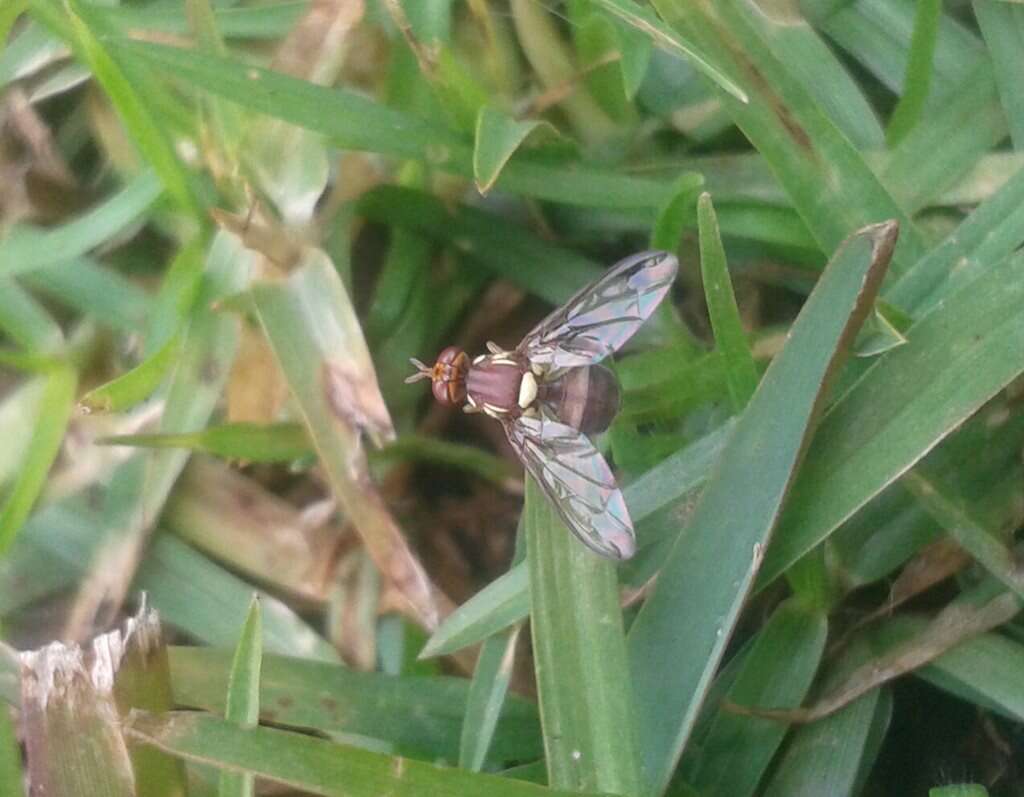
953, 625
235, 520
73, 700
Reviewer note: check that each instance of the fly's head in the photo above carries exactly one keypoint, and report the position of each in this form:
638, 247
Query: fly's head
447, 375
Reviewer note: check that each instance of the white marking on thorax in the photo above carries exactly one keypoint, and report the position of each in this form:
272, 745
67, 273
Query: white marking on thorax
527, 390
494, 411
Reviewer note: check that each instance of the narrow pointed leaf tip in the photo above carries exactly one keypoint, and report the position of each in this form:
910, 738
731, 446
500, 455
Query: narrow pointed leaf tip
678, 638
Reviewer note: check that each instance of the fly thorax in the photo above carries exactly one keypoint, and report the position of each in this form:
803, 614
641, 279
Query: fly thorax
494, 384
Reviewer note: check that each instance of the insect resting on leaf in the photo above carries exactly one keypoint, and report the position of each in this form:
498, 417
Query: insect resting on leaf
549, 393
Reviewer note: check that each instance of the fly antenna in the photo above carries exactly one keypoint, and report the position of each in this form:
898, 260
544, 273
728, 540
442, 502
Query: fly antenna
422, 372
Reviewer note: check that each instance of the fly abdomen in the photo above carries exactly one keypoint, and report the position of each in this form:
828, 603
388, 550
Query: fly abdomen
584, 398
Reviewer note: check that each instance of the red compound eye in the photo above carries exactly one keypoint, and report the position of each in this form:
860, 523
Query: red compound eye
449, 355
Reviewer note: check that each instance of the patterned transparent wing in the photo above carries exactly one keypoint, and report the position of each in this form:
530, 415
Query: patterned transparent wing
578, 481
604, 315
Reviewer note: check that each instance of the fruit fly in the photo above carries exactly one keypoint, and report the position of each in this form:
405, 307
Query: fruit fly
550, 393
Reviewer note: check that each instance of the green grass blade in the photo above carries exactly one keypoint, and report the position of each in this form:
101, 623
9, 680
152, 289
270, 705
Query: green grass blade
827, 180
963, 128
812, 764
250, 22
138, 384
680, 633
93, 290
676, 214
139, 488
552, 272
314, 765
959, 790
8, 15
359, 123
730, 338
11, 782
497, 138
917, 82
984, 670
904, 406
249, 442
988, 235
128, 96
953, 514
663, 36
1002, 25
243, 695
413, 715
419, 448
53, 414
29, 248
486, 697
317, 341
580, 658
776, 673
198, 596
507, 599
501, 603
25, 321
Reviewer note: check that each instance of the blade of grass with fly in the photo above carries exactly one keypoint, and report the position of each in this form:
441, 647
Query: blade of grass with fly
506, 600
580, 658
680, 633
